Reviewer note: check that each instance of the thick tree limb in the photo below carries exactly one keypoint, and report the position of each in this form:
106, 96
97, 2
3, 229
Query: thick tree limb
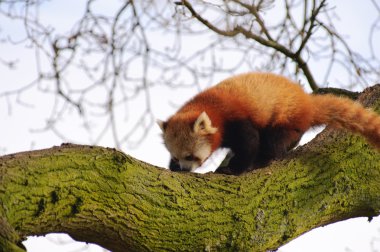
103, 196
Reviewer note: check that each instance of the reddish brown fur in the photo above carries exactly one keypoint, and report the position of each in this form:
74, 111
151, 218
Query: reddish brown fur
272, 101
343, 113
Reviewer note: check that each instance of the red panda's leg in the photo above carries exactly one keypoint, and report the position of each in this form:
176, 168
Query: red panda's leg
243, 139
275, 143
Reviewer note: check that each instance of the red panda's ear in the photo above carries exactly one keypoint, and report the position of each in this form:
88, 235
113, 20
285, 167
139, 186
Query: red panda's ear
203, 125
162, 125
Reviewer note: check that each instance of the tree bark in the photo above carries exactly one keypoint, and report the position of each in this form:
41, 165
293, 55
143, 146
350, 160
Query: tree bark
104, 196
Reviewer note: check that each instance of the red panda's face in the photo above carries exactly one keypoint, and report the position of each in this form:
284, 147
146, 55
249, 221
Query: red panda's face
188, 151
189, 143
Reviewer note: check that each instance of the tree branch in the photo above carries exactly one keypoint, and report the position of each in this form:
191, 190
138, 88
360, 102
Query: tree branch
269, 42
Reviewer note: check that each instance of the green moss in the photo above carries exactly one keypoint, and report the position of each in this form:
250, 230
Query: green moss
54, 197
6, 246
78, 189
76, 207
40, 207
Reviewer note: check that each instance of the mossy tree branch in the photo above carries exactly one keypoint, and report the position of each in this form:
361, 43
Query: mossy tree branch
103, 196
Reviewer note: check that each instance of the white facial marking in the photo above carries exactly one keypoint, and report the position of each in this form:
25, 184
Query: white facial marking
203, 152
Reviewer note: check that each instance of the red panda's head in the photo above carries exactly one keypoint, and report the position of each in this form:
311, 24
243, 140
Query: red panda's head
188, 139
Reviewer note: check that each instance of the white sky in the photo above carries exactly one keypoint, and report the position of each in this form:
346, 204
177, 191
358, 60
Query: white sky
18, 133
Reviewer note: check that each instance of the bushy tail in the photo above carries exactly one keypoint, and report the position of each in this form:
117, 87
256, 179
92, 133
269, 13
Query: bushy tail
344, 113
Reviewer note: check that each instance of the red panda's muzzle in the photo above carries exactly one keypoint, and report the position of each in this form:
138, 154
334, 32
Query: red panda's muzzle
184, 165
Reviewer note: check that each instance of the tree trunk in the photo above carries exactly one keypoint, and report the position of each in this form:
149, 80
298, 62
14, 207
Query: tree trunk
103, 196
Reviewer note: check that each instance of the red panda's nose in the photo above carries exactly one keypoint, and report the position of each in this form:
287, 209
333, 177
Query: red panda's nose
188, 166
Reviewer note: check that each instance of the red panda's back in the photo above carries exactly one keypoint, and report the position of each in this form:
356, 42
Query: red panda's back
268, 99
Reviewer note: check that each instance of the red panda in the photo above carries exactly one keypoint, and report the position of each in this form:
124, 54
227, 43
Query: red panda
259, 116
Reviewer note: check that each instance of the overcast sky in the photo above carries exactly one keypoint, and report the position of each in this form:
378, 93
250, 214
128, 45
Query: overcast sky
21, 129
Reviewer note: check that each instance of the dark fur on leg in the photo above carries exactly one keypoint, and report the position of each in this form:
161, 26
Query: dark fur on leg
275, 143
253, 148
243, 140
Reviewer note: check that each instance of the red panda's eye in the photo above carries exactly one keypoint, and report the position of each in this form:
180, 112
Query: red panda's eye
190, 158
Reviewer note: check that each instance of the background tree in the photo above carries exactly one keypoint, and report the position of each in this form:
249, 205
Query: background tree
99, 63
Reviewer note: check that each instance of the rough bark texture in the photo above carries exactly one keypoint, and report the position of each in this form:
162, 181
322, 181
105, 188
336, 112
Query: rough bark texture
103, 196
